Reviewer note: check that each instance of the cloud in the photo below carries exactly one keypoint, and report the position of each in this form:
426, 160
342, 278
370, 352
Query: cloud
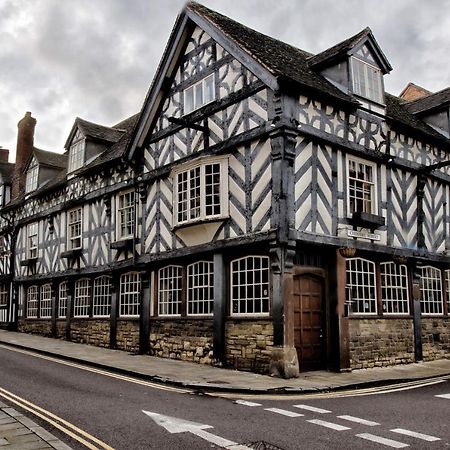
96, 59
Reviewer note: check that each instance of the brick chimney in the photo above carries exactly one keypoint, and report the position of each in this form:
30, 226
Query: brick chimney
413, 92
25, 144
4, 154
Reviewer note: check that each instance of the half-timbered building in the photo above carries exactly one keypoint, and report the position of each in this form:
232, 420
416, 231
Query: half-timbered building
268, 209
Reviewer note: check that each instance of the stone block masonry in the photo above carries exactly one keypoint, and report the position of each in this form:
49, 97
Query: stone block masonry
381, 342
42, 327
128, 335
435, 338
90, 331
249, 344
184, 339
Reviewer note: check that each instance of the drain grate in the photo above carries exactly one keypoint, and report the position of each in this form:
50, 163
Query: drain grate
261, 445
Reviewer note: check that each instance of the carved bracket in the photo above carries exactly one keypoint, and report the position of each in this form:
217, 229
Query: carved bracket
107, 203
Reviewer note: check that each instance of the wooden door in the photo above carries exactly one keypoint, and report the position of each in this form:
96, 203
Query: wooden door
308, 321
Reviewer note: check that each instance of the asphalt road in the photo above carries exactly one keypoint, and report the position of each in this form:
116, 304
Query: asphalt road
111, 410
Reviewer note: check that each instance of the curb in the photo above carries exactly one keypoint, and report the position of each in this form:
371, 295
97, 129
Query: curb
203, 388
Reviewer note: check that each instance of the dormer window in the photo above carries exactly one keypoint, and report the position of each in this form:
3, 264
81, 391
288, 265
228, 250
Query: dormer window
367, 80
32, 177
76, 152
199, 94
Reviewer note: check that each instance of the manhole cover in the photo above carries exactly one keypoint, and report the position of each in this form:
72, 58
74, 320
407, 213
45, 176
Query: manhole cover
261, 445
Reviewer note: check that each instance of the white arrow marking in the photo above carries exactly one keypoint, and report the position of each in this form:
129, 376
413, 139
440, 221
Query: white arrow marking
175, 425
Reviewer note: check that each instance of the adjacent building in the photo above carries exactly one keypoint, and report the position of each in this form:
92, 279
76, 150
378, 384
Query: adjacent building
267, 210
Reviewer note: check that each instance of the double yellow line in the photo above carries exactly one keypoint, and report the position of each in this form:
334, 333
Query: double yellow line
89, 441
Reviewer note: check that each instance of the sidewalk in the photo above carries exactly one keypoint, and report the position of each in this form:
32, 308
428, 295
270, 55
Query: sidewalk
206, 378
17, 432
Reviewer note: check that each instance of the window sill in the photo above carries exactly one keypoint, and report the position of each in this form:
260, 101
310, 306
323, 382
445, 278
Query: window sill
262, 316
194, 222
28, 262
122, 244
75, 253
367, 220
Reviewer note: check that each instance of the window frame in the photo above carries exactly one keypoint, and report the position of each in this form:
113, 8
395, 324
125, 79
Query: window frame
101, 296
62, 300
367, 87
32, 178
45, 303
193, 87
70, 227
361, 287
261, 284
395, 274
202, 196
176, 287
135, 304
33, 305
123, 210
77, 152
447, 288
4, 295
196, 284
438, 292
374, 184
82, 310
32, 248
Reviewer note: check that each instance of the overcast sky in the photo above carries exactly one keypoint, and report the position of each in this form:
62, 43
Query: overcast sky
96, 58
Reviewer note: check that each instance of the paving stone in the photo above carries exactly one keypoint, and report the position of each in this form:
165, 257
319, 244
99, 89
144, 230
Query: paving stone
38, 445
12, 412
9, 426
43, 433
3, 442
17, 432
7, 420
26, 421
31, 437
59, 445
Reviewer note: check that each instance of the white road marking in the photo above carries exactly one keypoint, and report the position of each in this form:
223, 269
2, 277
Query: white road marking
382, 440
443, 396
424, 437
369, 423
313, 409
284, 412
246, 403
176, 425
333, 426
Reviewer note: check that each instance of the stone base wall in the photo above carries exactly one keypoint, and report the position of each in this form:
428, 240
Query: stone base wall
61, 328
128, 335
435, 338
380, 342
36, 326
249, 344
188, 340
88, 331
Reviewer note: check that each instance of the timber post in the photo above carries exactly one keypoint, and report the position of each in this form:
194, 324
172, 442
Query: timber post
220, 301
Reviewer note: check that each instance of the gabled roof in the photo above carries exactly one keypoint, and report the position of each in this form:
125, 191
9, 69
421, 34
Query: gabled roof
397, 109
6, 171
118, 149
282, 60
271, 60
412, 92
94, 131
50, 159
431, 102
344, 49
